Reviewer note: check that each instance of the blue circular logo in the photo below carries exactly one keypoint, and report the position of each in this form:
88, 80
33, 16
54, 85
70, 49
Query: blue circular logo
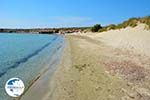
14, 87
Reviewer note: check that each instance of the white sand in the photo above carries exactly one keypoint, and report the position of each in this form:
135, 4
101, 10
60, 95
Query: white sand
136, 39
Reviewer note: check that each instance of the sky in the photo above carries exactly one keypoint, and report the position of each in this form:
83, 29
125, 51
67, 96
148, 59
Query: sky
69, 13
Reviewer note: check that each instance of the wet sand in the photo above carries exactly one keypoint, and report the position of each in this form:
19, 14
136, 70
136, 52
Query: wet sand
40, 87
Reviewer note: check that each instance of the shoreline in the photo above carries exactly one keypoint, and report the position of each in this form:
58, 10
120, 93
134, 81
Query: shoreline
91, 75
91, 69
40, 85
72, 81
63, 65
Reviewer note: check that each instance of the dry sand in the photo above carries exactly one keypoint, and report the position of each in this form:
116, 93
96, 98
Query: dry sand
112, 65
136, 39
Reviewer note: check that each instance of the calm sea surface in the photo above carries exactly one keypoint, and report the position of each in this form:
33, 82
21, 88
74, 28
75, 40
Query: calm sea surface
25, 55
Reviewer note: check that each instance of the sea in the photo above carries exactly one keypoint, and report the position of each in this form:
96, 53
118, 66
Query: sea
26, 56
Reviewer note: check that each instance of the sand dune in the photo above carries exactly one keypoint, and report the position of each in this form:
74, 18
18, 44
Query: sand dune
136, 39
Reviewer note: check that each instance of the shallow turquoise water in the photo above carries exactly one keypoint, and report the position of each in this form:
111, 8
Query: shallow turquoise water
24, 56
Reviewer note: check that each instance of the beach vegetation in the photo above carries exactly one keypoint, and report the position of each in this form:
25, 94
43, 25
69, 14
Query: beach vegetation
111, 27
96, 27
132, 22
146, 20
102, 29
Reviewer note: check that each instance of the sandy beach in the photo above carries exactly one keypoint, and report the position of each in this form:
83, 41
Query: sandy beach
75, 50
112, 65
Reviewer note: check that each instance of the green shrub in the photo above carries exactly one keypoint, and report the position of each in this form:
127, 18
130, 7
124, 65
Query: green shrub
96, 27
